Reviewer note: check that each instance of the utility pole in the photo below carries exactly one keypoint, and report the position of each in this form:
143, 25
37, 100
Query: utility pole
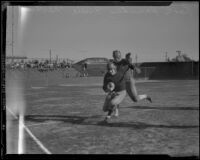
192, 68
179, 52
136, 58
166, 57
56, 58
12, 34
50, 55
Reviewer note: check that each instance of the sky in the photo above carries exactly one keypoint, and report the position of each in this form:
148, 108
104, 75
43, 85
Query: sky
79, 32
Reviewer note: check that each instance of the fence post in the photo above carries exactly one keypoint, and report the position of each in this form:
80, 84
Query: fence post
29, 78
192, 69
46, 78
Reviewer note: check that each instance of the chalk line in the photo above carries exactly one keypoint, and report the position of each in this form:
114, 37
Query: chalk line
37, 141
31, 134
21, 135
12, 113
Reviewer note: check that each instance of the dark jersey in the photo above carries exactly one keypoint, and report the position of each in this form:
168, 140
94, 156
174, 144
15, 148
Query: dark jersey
117, 79
124, 67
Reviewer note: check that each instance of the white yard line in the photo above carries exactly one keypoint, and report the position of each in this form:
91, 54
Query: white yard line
21, 135
31, 134
37, 141
12, 113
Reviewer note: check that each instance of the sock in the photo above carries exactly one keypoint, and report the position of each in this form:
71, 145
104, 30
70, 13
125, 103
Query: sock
142, 96
109, 113
116, 112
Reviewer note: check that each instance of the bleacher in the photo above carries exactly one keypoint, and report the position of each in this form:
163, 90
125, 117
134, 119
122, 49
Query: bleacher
96, 70
96, 66
31, 77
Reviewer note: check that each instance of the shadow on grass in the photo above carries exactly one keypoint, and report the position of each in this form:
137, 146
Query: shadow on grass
163, 108
97, 120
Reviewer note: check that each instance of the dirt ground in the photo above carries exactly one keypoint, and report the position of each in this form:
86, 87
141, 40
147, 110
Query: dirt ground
67, 119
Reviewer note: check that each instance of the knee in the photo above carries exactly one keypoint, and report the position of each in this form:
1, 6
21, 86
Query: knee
114, 102
133, 95
135, 98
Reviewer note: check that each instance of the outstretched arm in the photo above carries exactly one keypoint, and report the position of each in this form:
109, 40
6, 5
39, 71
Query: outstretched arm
130, 64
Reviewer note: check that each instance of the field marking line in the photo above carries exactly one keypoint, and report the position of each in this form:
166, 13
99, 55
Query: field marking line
31, 134
12, 113
21, 135
37, 141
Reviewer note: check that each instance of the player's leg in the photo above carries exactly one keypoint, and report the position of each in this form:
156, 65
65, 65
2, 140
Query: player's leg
109, 114
117, 111
106, 103
111, 104
110, 111
132, 91
107, 107
118, 98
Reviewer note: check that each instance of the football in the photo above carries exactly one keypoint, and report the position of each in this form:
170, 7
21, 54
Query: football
111, 86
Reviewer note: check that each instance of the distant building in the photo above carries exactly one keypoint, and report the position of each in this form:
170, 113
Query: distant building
10, 59
94, 60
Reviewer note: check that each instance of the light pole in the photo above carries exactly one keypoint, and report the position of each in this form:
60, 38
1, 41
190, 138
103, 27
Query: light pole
50, 55
166, 57
192, 68
12, 34
136, 59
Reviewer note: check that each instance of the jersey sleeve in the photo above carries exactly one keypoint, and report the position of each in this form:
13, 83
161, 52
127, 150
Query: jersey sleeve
128, 62
132, 66
105, 82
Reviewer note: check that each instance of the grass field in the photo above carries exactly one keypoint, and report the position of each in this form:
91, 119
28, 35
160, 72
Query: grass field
66, 118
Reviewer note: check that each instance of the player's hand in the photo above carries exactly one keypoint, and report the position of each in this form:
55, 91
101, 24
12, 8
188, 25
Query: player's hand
137, 70
110, 86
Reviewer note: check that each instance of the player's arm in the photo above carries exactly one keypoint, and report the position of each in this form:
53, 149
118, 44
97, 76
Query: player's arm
135, 68
130, 64
105, 83
129, 61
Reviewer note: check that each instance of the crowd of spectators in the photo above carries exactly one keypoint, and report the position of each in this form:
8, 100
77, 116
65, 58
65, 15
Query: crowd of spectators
46, 65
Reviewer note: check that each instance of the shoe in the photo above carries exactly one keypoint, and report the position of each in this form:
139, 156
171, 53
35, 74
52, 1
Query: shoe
149, 99
106, 119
